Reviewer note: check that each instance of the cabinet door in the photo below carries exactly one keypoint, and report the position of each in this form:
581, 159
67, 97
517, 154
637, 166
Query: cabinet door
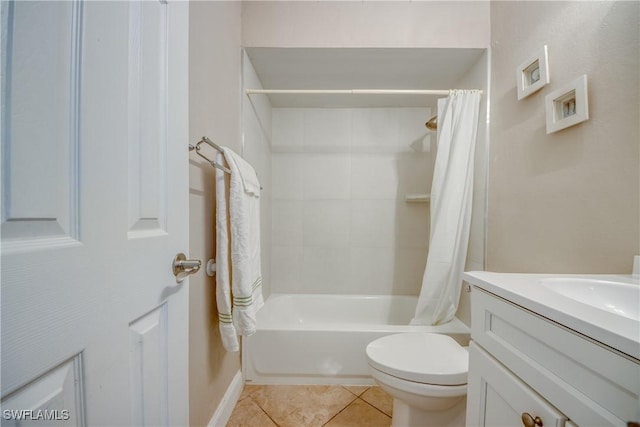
497, 398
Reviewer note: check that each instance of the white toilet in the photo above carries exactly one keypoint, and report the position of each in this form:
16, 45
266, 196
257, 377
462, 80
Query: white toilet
426, 374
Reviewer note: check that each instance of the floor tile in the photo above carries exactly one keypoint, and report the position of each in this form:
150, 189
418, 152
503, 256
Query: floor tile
360, 413
302, 406
248, 390
378, 398
356, 389
247, 413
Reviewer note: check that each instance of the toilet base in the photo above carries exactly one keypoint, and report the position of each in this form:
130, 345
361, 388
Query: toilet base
410, 416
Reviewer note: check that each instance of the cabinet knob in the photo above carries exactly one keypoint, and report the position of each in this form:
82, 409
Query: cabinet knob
529, 421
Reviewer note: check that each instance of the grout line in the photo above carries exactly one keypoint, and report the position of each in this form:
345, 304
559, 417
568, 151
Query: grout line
376, 408
264, 411
357, 395
342, 410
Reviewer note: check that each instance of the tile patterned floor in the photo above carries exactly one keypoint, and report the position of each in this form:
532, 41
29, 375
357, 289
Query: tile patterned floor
312, 406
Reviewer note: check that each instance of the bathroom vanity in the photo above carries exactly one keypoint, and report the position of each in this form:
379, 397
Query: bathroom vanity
553, 350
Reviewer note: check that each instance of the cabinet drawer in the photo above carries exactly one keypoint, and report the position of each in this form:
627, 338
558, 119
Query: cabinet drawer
590, 383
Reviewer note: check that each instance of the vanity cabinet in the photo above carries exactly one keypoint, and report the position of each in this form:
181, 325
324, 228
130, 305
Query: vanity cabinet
523, 363
500, 398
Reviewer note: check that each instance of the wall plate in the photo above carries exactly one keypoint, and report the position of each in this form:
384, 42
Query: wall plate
533, 74
568, 105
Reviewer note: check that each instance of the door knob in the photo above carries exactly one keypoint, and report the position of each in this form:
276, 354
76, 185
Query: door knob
182, 267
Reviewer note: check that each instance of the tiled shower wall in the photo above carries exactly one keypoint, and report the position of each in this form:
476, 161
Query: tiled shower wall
340, 223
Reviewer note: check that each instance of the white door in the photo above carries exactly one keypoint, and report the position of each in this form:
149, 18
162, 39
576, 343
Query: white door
94, 208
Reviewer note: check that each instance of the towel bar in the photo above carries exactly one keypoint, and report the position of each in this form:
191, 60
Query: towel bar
212, 144
215, 146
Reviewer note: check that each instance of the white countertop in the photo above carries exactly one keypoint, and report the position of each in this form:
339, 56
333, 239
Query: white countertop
619, 332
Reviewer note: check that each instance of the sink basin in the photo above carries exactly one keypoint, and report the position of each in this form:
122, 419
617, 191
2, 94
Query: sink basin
622, 299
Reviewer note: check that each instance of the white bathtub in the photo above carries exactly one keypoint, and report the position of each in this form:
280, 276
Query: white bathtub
321, 339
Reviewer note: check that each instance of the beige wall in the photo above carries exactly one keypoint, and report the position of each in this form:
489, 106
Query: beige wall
214, 111
565, 202
365, 24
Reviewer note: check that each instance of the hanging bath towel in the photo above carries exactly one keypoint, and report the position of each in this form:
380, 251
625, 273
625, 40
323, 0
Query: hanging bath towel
238, 276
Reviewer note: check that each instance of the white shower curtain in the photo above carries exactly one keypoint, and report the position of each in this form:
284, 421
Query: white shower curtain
451, 199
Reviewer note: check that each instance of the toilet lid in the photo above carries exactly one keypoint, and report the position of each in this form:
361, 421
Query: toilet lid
420, 357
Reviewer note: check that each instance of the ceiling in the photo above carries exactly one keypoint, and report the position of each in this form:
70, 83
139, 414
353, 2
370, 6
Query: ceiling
359, 68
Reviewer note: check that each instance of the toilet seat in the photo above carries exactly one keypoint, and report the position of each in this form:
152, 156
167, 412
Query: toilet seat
426, 358
390, 383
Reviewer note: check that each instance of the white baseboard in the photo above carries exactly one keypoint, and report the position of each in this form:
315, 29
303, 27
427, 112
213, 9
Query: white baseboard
225, 408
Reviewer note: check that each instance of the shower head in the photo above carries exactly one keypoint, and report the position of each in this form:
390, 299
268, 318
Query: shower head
432, 123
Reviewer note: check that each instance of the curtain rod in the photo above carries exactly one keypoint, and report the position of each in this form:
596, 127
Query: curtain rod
443, 92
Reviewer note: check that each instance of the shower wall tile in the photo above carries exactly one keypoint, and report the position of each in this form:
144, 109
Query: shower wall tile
340, 223
416, 173
327, 130
326, 176
372, 270
413, 135
373, 223
286, 227
413, 224
408, 271
395, 271
359, 130
326, 270
287, 129
374, 176
375, 130
287, 274
326, 223
390, 130
287, 176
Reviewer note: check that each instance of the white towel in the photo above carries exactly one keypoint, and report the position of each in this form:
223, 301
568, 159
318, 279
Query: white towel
250, 182
238, 303
223, 262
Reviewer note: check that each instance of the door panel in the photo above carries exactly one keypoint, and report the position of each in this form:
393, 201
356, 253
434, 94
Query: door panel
39, 193
94, 207
147, 118
149, 368
56, 397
